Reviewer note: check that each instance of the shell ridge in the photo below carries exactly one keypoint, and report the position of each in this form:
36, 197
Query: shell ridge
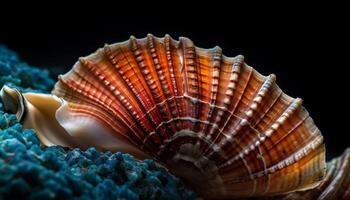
112, 60
175, 110
296, 104
269, 81
283, 117
255, 104
217, 56
233, 110
165, 110
235, 70
91, 85
182, 104
89, 103
266, 134
178, 64
120, 97
149, 80
199, 87
167, 41
138, 133
91, 99
148, 102
251, 146
183, 72
251, 72
123, 100
249, 114
280, 93
301, 153
139, 59
163, 54
213, 125
228, 94
191, 77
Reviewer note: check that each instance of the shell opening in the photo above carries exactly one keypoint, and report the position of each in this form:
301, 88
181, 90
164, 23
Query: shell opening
56, 125
13, 101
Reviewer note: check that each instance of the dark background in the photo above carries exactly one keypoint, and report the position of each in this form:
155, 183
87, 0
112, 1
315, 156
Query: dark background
308, 51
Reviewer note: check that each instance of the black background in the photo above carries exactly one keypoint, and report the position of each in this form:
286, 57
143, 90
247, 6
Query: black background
306, 48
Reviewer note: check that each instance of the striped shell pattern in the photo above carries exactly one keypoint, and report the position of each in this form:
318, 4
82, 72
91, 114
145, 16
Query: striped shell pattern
214, 121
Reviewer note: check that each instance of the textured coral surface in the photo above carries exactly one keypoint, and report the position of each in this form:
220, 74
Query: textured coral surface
31, 171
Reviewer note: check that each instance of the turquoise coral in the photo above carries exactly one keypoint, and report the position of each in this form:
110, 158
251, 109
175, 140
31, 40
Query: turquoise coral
31, 171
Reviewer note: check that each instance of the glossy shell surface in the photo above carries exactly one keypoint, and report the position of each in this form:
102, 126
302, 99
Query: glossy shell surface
211, 119
214, 121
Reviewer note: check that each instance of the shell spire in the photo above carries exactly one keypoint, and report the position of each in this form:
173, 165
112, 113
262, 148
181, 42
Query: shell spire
214, 121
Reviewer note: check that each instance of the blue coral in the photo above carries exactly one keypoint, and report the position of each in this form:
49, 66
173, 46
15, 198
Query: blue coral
31, 171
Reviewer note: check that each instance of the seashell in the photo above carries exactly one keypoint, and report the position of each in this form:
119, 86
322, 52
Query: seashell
214, 121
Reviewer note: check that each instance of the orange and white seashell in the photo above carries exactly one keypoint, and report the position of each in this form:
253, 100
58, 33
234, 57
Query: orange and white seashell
212, 120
